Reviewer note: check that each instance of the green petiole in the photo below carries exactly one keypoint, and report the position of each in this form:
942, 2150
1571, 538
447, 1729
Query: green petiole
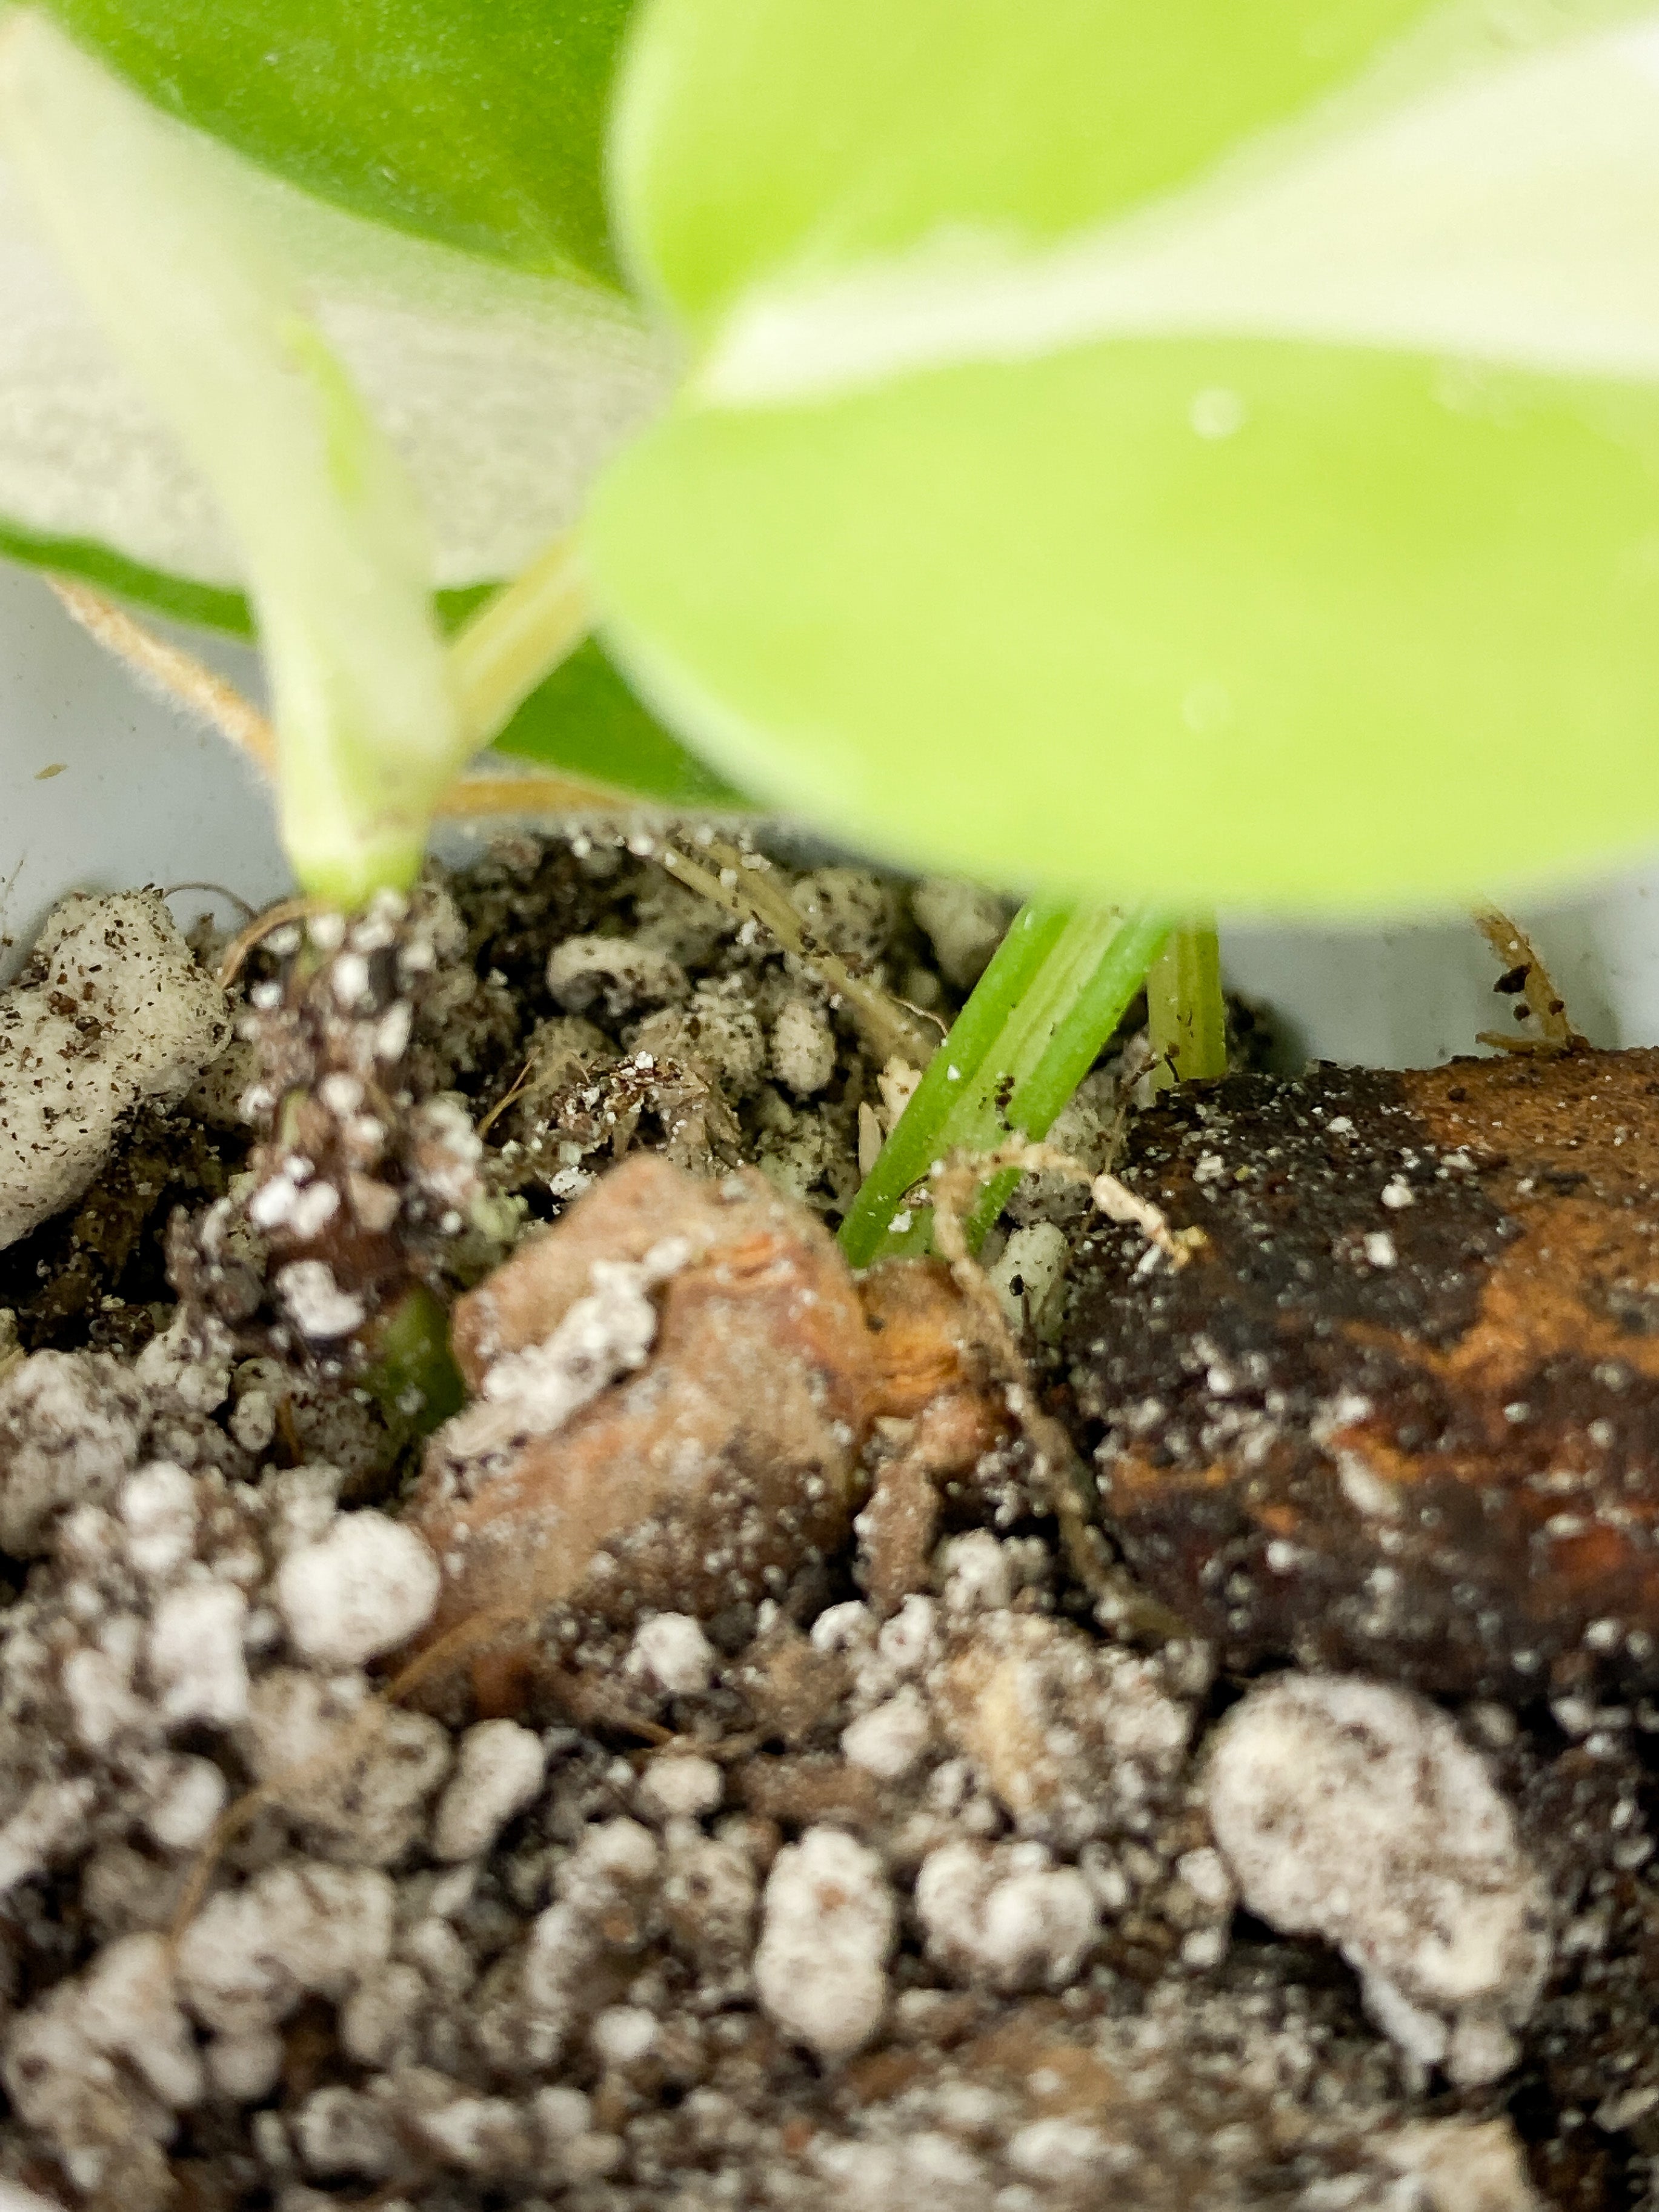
1053, 994
1186, 1012
517, 638
151, 219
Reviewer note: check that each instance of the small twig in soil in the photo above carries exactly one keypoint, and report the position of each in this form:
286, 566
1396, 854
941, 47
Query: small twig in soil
1526, 977
520, 1084
741, 882
221, 890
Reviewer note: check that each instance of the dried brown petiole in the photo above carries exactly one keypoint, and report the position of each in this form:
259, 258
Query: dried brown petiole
1526, 977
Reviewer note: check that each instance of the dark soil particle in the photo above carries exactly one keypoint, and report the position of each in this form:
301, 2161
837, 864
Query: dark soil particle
97, 1275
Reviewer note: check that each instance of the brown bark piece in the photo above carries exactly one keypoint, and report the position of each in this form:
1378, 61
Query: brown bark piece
704, 1477
941, 1410
792, 1689
810, 1787
1402, 1413
897, 1532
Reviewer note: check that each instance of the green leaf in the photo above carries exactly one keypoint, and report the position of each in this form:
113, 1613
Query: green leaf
1247, 496
761, 140
476, 123
1027, 623
584, 721
210, 606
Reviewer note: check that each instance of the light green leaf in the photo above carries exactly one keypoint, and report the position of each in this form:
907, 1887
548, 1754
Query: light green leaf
476, 123
763, 141
1249, 496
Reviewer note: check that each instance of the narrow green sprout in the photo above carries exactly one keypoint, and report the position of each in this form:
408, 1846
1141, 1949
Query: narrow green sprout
1056, 990
149, 217
1186, 1012
517, 638
412, 1372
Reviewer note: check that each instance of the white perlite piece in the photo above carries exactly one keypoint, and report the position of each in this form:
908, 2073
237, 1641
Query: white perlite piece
50, 1821
1461, 2165
679, 1786
803, 1047
498, 1773
533, 1392
1008, 1917
622, 976
314, 1302
889, 1739
820, 1967
250, 1955
196, 1654
670, 1652
14, 2197
965, 924
1028, 1273
1356, 1812
111, 1010
70, 1427
365, 1588
111, 2044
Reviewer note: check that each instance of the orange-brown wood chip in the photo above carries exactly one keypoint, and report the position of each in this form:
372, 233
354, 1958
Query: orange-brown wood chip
680, 1397
1402, 1411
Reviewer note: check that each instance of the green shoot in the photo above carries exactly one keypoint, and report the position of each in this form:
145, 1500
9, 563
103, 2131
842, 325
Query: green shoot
1035, 1022
147, 216
413, 1372
1186, 1013
517, 638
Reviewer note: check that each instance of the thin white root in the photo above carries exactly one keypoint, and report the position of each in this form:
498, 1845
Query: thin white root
261, 926
1057, 1471
1120, 1204
953, 1189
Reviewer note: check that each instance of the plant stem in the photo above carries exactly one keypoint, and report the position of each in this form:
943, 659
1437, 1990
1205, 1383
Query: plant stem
1186, 1013
155, 223
518, 638
1035, 1025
